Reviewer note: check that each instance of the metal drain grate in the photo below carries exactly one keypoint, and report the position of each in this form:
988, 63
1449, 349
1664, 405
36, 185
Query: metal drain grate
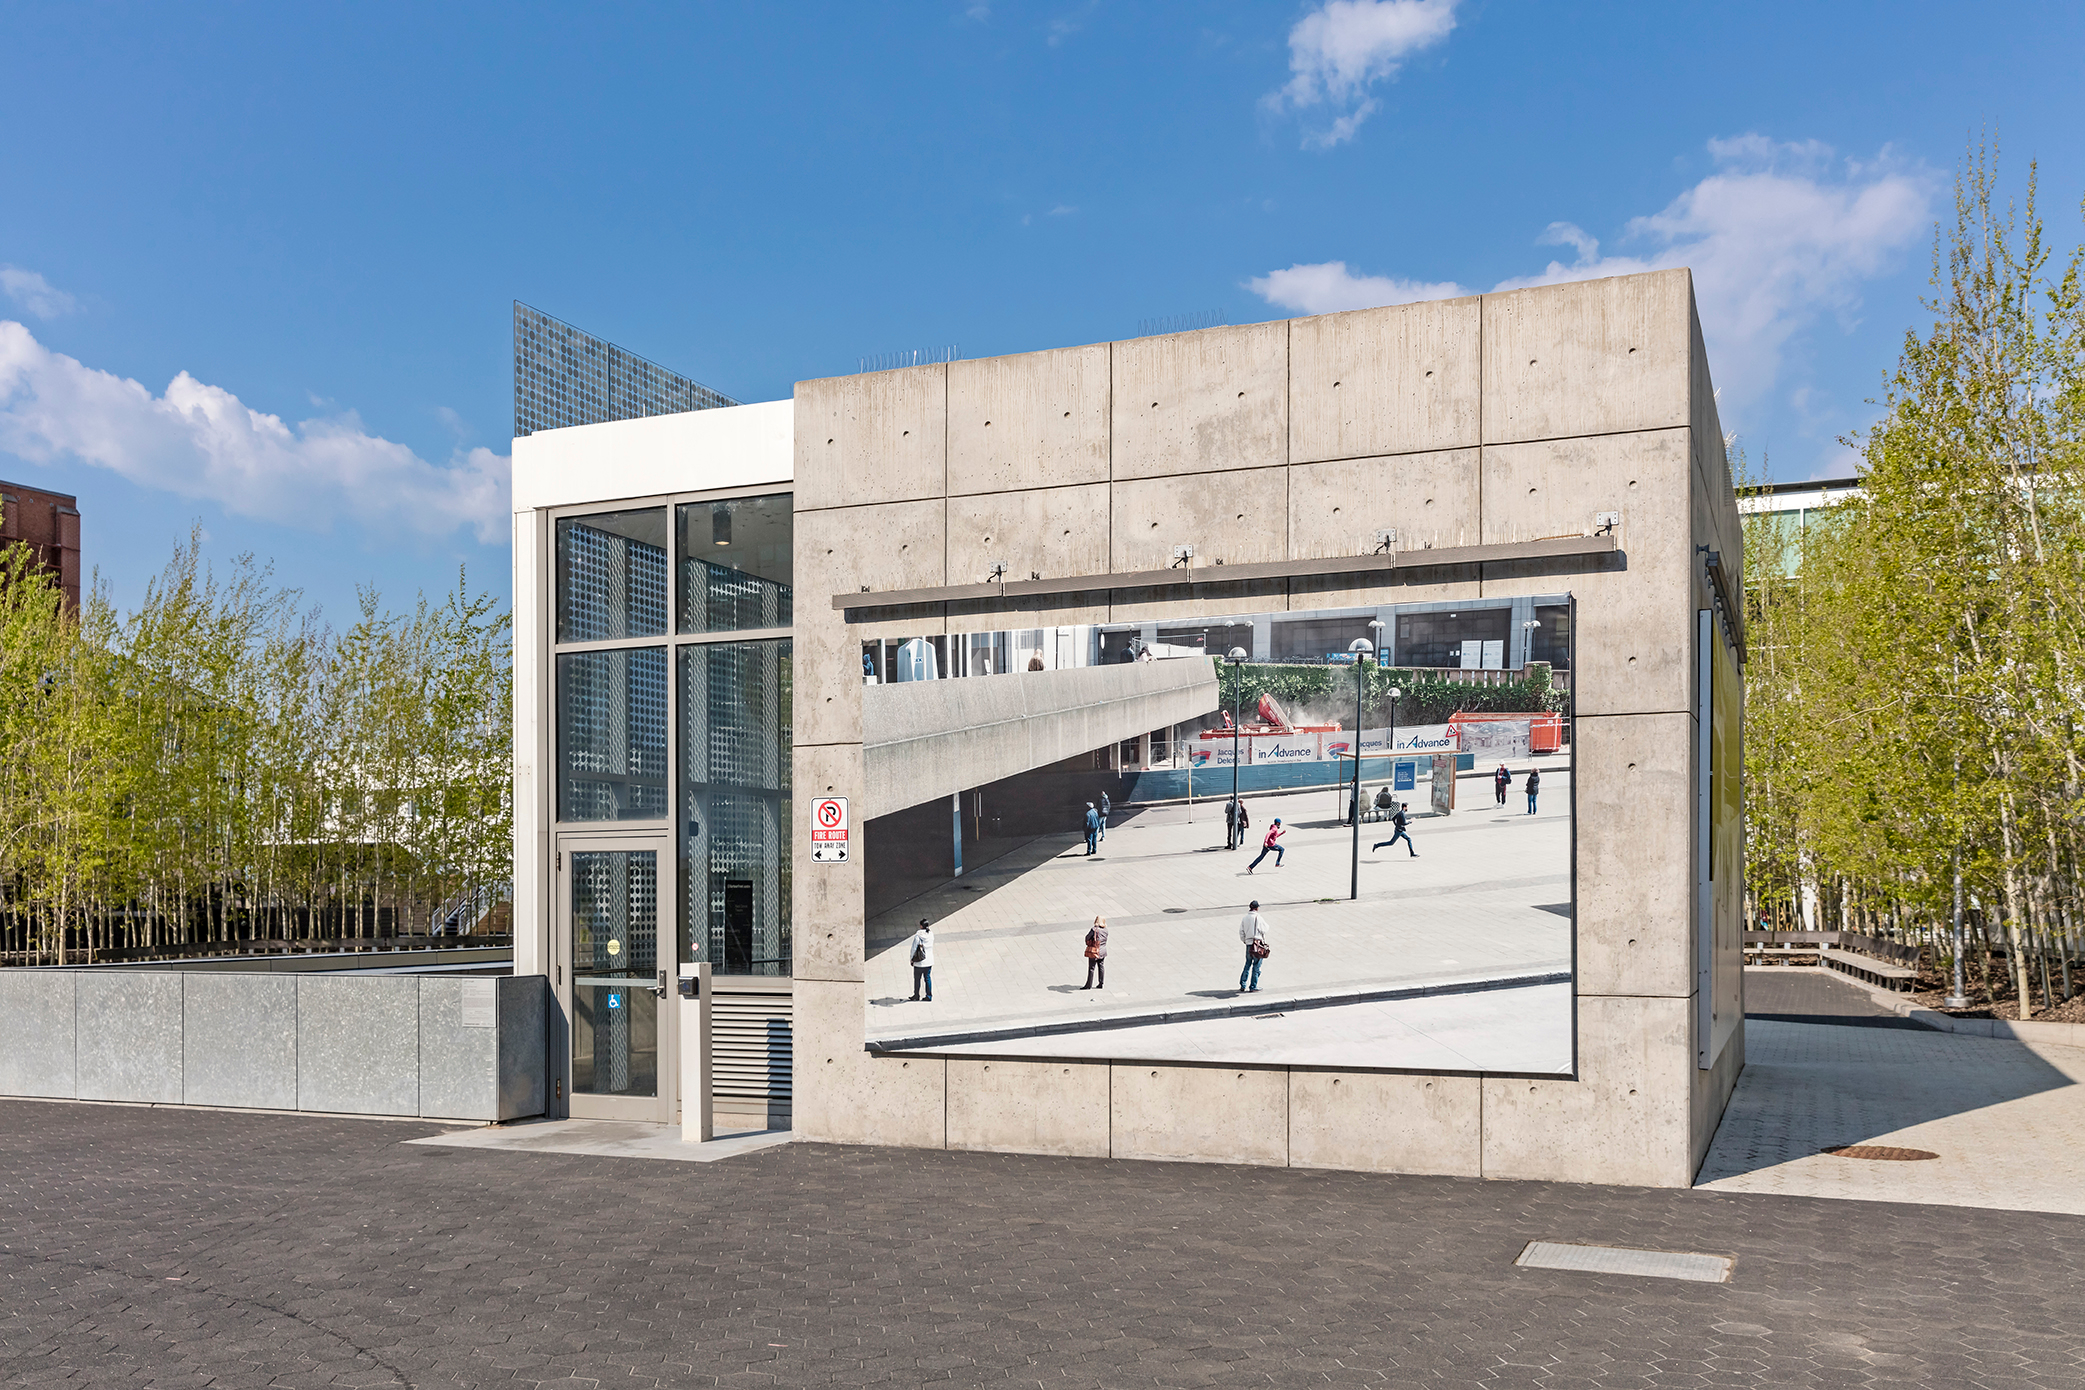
1885, 1152
1612, 1259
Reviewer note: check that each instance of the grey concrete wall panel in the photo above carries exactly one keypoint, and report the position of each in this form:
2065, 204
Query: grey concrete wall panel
1386, 1123
1005, 1106
930, 739
846, 1095
1635, 841
1238, 519
1203, 402
892, 546
1036, 420
1052, 532
358, 1045
128, 1034
239, 1041
828, 900
524, 1022
1429, 499
876, 437
36, 1033
1594, 357
1398, 380
1200, 1114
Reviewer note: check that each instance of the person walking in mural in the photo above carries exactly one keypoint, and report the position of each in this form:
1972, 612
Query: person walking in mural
1105, 809
1244, 822
1097, 955
1268, 846
1397, 818
1534, 784
1501, 780
1252, 930
920, 951
1230, 824
1092, 829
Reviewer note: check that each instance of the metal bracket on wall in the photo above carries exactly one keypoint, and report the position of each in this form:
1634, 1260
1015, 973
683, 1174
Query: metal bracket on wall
1727, 610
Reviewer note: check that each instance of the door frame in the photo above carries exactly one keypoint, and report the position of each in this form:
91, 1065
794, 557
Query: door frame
663, 1108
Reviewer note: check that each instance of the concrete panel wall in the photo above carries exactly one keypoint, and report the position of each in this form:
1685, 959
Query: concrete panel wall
128, 1035
1037, 420
366, 1045
1201, 403
1005, 1106
36, 1033
1509, 417
239, 1040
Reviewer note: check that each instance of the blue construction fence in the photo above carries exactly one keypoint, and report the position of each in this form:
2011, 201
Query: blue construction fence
1171, 784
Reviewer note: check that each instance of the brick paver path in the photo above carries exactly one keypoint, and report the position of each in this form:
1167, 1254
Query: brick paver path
167, 1248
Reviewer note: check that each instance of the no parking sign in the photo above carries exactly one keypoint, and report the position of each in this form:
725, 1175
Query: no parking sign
829, 830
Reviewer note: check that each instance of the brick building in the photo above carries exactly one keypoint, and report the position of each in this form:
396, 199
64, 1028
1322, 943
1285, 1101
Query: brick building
48, 523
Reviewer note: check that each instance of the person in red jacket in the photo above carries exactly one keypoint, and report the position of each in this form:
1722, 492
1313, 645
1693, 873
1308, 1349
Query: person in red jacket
1267, 846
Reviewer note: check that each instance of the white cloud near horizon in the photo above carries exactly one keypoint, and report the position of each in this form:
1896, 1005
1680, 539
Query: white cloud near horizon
35, 294
1340, 49
1778, 236
200, 441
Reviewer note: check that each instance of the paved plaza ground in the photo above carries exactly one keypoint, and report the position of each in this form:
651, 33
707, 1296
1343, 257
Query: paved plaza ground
1487, 901
165, 1248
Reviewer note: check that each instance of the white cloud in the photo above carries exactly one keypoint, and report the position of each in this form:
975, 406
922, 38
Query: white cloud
1328, 287
199, 441
35, 294
1337, 51
1777, 237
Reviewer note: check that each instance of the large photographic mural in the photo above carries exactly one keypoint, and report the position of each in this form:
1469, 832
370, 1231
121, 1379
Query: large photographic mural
1101, 904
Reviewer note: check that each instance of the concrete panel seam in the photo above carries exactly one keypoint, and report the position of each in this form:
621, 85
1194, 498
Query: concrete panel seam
880, 502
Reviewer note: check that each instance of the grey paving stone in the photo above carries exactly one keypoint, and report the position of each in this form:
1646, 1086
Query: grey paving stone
168, 1248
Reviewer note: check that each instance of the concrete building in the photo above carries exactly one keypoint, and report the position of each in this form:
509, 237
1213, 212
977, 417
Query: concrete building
698, 595
49, 524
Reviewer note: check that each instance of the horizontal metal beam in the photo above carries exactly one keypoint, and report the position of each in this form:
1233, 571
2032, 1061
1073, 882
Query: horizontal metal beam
1556, 547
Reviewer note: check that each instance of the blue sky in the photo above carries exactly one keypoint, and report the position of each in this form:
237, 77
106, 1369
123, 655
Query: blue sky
258, 260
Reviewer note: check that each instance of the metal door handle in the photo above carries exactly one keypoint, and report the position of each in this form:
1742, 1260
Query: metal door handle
659, 990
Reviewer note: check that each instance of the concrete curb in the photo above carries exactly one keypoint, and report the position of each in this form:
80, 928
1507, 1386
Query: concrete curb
1112, 1022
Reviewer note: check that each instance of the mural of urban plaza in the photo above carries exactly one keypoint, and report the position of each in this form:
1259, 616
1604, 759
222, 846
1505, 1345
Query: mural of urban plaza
1083, 818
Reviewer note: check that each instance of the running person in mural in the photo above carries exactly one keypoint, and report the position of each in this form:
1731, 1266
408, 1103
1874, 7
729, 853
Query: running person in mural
1268, 846
1397, 818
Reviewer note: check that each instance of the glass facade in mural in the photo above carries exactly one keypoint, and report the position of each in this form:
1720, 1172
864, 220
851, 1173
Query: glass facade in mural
611, 735
565, 377
611, 576
735, 805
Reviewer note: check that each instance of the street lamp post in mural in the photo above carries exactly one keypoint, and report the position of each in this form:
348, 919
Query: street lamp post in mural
1362, 649
1236, 658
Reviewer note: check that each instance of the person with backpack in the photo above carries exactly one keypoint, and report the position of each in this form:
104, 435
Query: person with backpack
1501, 780
1092, 829
1268, 846
920, 950
1105, 809
1097, 955
1534, 784
1397, 818
1252, 930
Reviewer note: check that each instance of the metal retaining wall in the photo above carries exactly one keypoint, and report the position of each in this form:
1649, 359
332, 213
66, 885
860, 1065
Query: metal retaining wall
440, 1047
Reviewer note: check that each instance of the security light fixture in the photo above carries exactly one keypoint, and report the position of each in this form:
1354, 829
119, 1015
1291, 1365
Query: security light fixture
1386, 539
1182, 554
720, 525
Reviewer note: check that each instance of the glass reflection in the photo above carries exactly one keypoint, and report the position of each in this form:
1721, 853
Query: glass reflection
611, 576
611, 735
735, 802
736, 564
615, 960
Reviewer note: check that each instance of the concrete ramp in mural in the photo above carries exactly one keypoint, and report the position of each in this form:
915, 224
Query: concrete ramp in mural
928, 739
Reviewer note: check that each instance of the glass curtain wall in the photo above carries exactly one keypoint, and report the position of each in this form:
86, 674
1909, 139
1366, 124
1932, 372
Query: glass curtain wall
716, 767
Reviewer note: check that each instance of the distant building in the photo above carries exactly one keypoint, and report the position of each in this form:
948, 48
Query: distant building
564, 377
49, 524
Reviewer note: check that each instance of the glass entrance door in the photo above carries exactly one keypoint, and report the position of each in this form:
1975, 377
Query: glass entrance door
619, 966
